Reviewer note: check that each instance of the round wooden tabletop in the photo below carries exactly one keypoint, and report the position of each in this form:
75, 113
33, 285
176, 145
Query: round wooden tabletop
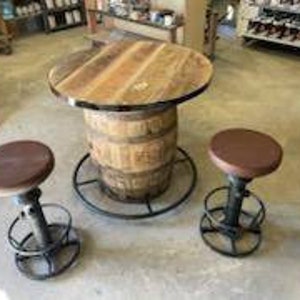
130, 75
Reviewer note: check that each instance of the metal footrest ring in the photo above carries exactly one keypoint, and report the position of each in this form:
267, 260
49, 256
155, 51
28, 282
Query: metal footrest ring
41, 263
97, 204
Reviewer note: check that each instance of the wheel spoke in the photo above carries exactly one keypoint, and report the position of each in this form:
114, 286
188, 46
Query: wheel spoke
17, 244
50, 264
255, 230
179, 161
22, 258
87, 182
256, 218
149, 206
209, 229
233, 247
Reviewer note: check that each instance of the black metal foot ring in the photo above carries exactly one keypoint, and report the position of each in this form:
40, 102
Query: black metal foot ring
28, 252
212, 229
151, 211
257, 219
20, 247
55, 266
217, 227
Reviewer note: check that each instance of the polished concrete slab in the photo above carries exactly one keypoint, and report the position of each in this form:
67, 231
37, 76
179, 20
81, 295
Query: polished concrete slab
163, 258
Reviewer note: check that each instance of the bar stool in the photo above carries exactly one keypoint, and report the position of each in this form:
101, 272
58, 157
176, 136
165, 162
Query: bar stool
230, 225
43, 249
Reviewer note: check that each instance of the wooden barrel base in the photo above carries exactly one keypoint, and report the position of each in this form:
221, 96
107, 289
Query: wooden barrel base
134, 151
119, 196
160, 180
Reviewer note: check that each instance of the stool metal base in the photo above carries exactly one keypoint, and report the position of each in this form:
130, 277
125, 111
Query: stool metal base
233, 241
43, 262
94, 204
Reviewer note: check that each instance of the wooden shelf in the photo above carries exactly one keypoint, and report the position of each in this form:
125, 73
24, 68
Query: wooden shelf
282, 9
65, 26
140, 22
143, 27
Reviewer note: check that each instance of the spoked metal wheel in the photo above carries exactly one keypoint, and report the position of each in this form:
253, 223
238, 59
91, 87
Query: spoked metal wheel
227, 240
41, 263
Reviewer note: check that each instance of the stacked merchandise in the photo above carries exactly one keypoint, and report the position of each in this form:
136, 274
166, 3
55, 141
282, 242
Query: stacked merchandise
63, 13
277, 21
142, 10
31, 8
277, 25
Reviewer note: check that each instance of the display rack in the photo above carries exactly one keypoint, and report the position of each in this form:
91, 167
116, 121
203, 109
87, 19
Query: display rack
17, 11
274, 22
5, 38
188, 29
135, 21
52, 15
58, 14
196, 26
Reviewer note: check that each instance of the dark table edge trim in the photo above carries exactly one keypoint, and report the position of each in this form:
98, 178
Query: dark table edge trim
84, 104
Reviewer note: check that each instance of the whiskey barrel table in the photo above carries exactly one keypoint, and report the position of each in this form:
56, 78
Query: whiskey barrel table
129, 92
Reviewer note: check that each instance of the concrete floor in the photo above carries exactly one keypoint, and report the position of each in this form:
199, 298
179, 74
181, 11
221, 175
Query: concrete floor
163, 258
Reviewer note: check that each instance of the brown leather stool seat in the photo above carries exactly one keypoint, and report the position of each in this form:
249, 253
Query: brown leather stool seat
23, 166
245, 153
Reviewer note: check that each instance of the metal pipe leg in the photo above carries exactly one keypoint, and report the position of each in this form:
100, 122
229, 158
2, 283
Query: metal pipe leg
32, 212
236, 195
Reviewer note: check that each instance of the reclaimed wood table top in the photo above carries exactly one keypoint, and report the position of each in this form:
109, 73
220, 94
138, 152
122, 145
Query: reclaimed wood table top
130, 75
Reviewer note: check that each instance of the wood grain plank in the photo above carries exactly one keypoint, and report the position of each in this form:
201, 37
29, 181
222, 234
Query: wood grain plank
122, 71
82, 78
131, 74
157, 77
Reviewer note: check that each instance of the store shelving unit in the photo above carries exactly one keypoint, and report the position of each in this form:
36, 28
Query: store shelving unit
189, 32
50, 15
134, 25
289, 13
21, 12
55, 17
5, 38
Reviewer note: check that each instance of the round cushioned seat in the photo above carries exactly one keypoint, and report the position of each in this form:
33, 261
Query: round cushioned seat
23, 166
245, 153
